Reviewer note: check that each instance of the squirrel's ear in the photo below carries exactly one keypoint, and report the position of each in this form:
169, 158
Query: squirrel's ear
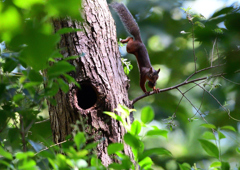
158, 70
151, 69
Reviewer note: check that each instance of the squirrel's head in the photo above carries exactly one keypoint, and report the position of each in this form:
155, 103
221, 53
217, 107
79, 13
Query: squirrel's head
153, 75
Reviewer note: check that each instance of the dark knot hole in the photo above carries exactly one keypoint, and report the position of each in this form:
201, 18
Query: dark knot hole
86, 96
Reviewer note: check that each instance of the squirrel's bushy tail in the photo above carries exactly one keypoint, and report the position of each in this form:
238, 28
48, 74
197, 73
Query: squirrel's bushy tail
127, 19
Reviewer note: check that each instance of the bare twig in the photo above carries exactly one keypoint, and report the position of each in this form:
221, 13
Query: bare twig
194, 55
224, 108
192, 105
176, 86
51, 146
230, 80
213, 52
207, 68
42, 121
200, 105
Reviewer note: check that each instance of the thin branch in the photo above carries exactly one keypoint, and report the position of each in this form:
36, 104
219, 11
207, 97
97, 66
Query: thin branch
200, 115
207, 68
51, 146
195, 59
227, 110
213, 52
42, 121
200, 104
192, 105
230, 81
176, 86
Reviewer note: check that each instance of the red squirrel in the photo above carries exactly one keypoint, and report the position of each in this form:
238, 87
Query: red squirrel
135, 46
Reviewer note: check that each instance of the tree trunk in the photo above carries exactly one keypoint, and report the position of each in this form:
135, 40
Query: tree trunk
100, 74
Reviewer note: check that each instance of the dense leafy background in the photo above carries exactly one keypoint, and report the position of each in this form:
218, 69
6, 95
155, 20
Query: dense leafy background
160, 23
26, 28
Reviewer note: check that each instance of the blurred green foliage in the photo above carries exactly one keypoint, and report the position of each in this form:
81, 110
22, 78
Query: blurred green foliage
167, 33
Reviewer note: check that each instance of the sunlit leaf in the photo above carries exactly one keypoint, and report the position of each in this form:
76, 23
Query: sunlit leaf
210, 126
24, 155
147, 114
132, 140
146, 163
79, 139
210, 148
156, 151
114, 147
136, 127
5, 154
157, 132
216, 164
228, 128
184, 166
208, 135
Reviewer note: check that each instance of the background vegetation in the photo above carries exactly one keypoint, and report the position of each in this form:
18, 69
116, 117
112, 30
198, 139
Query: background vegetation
205, 139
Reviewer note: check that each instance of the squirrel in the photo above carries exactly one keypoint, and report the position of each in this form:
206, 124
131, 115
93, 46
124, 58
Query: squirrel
135, 46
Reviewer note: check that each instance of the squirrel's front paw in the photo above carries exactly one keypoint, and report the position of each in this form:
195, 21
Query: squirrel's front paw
156, 90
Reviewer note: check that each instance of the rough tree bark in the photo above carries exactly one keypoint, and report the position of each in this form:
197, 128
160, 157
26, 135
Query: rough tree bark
100, 74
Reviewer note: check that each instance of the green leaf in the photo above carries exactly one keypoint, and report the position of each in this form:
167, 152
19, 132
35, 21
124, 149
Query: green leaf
5, 154
96, 162
238, 149
71, 80
9, 65
184, 166
215, 164
91, 145
114, 116
223, 11
221, 135
208, 135
156, 151
114, 147
17, 97
2, 162
27, 164
136, 127
225, 166
124, 111
147, 114
60, 68
200, 24
228, 128
146, 163
51, 91
24, 155
63, 85
210, 126
35, 76
79, 139
157, 132
132, 141
210, 148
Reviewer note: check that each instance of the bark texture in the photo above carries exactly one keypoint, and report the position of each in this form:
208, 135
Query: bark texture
100, 73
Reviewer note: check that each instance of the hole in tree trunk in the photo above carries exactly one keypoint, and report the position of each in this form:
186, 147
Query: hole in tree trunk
86, 96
